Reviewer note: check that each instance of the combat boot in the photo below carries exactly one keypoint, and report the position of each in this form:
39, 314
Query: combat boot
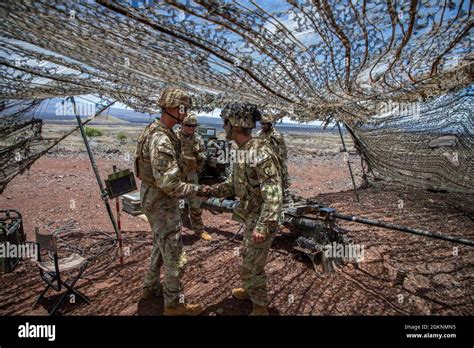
206, 236
183, 309
240, 294
259, 310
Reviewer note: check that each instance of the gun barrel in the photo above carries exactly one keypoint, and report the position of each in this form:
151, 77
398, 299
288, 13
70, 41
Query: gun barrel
401, 228
222, 205
227, 205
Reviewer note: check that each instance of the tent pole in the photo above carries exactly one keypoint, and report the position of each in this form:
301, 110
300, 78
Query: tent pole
103, 192
348, 162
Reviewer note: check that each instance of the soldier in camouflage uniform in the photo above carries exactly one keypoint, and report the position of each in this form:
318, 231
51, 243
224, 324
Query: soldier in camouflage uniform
276, 140
256, 182
194, 154
157, 164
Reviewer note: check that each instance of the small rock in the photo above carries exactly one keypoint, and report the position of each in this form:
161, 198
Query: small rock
220, 311
415, 283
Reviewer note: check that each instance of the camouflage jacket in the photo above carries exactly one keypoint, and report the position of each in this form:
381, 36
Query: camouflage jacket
159, 155
276, 140
193, 151
257, 183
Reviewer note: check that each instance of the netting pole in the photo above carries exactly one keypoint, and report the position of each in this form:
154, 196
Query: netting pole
119, 223
348, 162
363, 158
103, 192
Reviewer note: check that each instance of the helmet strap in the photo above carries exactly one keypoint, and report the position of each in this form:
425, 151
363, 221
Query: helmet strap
167, 113
228, 131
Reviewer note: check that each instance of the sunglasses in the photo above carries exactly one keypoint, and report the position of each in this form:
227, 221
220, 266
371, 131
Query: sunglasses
190, 125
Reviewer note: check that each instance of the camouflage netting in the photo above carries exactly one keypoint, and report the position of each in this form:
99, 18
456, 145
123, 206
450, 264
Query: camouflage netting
21, 142
429, 146
20, 137
350, 60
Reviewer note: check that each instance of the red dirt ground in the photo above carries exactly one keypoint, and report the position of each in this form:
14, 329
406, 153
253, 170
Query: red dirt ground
439, 277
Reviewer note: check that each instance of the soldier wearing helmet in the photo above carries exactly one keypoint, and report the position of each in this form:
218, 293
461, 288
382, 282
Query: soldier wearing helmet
157, 164
275, 139
257, 183
194, 155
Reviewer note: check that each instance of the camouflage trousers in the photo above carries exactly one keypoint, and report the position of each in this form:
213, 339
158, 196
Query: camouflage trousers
165, 221
254, 259
195, 210
285, 180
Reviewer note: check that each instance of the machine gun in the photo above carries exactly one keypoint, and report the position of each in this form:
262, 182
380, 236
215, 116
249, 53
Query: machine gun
320, 238
316, 225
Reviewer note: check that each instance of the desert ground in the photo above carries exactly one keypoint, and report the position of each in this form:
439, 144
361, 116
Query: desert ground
61, 188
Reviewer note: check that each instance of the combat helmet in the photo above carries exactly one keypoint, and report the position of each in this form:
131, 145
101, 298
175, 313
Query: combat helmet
173, 98
191, 119
243, 115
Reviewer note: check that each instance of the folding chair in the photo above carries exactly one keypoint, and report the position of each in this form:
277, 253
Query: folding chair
50, 271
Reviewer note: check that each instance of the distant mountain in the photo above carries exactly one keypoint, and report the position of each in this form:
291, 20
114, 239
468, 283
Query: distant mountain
54, 111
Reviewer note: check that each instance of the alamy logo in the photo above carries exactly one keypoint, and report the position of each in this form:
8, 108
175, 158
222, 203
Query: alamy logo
67, 109
27, 250
237, 156
349, 252
393, 108
37, 331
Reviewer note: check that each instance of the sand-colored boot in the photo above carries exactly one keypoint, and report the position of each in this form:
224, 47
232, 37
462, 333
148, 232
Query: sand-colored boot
240, 294
183, 309
259, 310
206, 236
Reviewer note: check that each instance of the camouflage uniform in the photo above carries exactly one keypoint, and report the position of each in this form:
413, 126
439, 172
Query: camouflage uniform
277, 141
258, 186
157, 159
194, 154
